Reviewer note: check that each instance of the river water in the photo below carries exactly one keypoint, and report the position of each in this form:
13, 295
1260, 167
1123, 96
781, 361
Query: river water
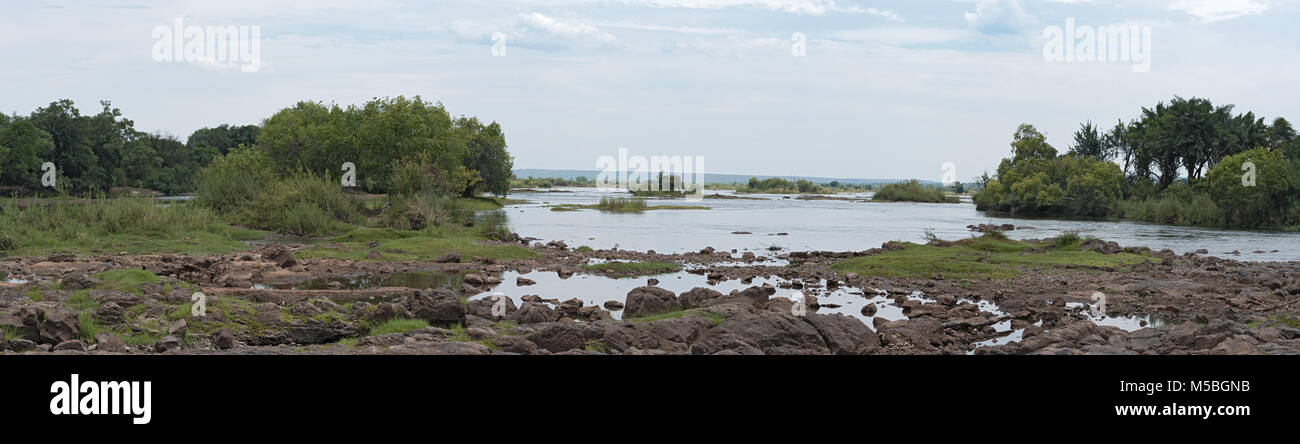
837, 225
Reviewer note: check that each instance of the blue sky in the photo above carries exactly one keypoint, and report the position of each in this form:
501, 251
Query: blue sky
885, 88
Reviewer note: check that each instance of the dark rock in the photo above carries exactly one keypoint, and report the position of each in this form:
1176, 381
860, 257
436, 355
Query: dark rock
535, 313
73, 345
21, 345
59, 326
616, 305
168, 343
449, 258
699, 297
280, 255
523, 281
770, 332
108, 342
492, 308
79, 281
110, 313
646, 301
557, 338
441, 307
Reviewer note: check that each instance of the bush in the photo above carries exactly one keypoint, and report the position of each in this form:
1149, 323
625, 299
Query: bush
234, 180
302, 205
912, 191
1262, 204
424, 210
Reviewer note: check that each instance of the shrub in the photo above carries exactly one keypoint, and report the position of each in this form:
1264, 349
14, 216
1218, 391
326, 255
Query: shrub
233, 180
302, 205
912, 191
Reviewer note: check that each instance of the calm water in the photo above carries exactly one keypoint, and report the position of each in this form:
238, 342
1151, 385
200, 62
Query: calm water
842, 226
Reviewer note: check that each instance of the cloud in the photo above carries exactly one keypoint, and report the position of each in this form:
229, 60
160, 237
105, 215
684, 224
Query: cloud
1209, 11
999, 17
808, 7
534, 29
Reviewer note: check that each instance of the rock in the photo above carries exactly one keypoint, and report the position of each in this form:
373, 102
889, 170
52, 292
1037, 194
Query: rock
557, 338
646, 301
59, 326
449, 258
523, 281
374, 254
440, 307
946, 299
315, 332
21, 345
73, 345
614, 305
4, 344
869, 309
108, 342
493, 309
120, 298
79, 281
177, 328
223, 339
844, 335
1100, 246
280, 255
168, 343
110, 314
305, 309
535, 313
770, 332
699, 297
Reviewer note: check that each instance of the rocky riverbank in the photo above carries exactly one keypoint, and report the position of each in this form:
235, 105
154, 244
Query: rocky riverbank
1189, 304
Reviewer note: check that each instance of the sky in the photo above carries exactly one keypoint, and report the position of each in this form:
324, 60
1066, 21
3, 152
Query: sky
829, 88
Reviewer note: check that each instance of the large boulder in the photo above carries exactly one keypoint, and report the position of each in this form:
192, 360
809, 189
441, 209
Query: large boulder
60, 326
535, 313
844, 335
492, 308
78, 281
280, 255
559, 337
440, 307
699, 297
771, 332
108, 342
646, 301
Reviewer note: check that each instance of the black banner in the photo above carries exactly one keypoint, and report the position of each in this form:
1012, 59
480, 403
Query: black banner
283, 391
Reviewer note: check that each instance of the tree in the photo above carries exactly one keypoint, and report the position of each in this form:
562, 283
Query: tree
1280, 134
22, 148
1030, 143
1088, 142
488, 156
224, 137
1247, 203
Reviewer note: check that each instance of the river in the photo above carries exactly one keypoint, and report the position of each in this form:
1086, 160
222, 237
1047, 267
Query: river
839, 225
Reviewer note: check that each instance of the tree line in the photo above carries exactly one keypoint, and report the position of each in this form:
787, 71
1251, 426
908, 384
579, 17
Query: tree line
1165, 165
397, 144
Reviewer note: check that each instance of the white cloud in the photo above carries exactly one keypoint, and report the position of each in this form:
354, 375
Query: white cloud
572, 30
1209, 11
999, 17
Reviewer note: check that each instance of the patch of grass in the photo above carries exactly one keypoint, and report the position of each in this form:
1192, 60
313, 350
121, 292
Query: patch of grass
634, 268
133, 225
35, 295
399, 326
80, 301
12, 332
348, 342
1068, 240
980, 258
583, 248
596, 345
125, 280
422, 246
89, 327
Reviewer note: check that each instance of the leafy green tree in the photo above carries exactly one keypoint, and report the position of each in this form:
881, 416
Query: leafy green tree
22, 148
1088, 142
224, 137
1257, 203
488, 156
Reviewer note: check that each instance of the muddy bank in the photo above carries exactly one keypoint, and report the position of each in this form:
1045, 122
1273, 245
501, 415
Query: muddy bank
267, 301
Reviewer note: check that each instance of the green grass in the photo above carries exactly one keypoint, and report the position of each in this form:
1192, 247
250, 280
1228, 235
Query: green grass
399, 326
414, 246
635, 268
982, 258
125, 280
12, 333
89, 327
106, 226
912, 191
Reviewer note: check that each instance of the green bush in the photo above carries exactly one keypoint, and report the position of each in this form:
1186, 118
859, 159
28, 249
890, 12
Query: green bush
1263, 203
912, 191
234, 180
303, 205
